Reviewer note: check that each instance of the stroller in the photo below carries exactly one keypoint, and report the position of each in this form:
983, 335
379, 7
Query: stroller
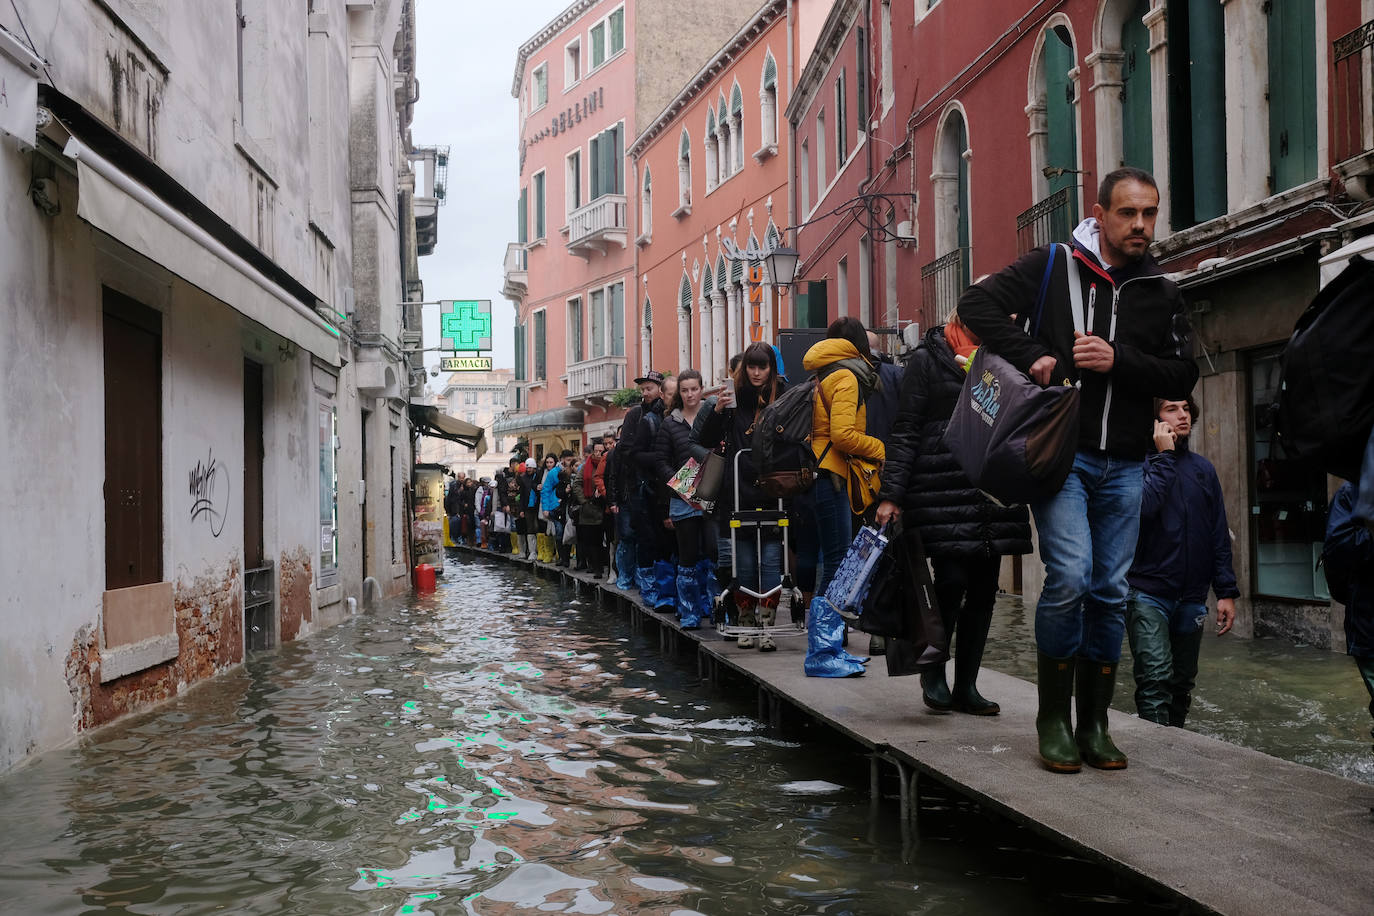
790, 617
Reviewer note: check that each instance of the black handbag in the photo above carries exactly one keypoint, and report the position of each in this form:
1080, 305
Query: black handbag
901, 606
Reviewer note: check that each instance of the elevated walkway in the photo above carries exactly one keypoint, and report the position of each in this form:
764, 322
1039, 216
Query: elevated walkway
1217, 827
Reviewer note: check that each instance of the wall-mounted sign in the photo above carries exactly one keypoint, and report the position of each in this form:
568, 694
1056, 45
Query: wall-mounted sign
563, 121
465, 364
465, 324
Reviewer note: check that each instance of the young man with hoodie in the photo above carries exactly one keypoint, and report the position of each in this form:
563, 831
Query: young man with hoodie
1184, 549
1134, 346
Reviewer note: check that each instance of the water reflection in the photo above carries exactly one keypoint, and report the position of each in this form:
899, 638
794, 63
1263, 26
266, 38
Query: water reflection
496, 747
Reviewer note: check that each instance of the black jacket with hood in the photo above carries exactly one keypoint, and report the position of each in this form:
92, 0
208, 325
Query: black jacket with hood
955, 518
1138, 310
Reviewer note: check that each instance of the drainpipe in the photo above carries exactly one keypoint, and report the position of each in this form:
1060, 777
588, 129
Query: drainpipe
791, 154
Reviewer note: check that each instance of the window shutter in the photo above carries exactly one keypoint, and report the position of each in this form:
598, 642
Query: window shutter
598, 44
522, 217
1062, 143
617, 307
707, 284
1137, 129
617, 164
736, 271
540, 361
1292, 93
594, 167
617, 21
861, 80
685, 147
736, 100
771, 236
720, 273
539, 206
770, 73
684, 296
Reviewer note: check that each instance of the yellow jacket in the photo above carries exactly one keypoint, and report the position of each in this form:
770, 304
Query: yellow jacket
838, 418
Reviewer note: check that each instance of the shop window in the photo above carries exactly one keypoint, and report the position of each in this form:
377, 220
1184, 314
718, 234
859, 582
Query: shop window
329, 493
1288, 502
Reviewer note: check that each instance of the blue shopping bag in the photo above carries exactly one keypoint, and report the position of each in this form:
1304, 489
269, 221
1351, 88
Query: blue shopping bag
854, 576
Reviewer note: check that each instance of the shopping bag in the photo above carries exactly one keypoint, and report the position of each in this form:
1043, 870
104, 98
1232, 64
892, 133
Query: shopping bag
901, 606
500, 522
569, 531
855, 572
709, 478
684, 482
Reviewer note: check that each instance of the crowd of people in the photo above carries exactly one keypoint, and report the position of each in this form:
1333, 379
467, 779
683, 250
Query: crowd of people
1131, 543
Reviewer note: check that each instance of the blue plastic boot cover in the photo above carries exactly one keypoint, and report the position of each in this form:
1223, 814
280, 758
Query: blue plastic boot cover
825, 655
665, 585
706, 580
624, 565
688, 597
648, 593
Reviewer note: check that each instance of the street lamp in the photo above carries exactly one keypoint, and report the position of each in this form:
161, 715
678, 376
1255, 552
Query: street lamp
782, 265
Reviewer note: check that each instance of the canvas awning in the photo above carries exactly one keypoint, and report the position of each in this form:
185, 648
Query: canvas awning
569, 418
430, 421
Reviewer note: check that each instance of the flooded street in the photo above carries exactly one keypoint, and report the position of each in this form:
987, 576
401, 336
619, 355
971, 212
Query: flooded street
499, 746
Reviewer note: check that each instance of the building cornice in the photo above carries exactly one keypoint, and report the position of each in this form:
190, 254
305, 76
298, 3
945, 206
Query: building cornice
837, 25
542, 37
722, 59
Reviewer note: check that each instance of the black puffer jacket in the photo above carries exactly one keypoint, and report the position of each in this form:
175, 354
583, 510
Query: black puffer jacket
924, 479
677, 441
738, 429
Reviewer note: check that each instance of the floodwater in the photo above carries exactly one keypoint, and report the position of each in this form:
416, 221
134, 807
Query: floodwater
1293, 702
499, 746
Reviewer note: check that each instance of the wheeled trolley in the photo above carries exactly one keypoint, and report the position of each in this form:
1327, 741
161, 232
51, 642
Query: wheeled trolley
789, 618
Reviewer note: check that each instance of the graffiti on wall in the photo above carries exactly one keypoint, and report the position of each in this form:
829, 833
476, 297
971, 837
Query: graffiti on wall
209, 489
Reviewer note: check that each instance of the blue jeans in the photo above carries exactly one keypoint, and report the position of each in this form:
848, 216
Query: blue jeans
748, 562
1166, 637
1087, 542
835, 528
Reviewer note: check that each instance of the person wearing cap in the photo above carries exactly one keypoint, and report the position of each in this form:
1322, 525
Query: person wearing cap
637, 463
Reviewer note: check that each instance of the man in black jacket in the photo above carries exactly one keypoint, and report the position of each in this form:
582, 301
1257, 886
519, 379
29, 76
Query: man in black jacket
634, 468
1128, 344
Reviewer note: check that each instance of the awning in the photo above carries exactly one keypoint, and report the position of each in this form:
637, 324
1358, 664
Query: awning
430, 421
558, 418
115, 203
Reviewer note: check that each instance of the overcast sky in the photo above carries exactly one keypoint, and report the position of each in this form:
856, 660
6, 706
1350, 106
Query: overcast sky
465, 62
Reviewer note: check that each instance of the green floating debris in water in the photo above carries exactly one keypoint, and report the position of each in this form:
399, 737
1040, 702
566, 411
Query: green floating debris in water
500, 815
470, 897
411, 816
438, 804
424, 896
410, 705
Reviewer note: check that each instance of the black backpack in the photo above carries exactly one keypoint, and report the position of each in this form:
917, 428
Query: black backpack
1325, 407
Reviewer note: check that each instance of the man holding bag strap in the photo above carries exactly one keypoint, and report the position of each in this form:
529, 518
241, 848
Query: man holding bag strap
1123, 337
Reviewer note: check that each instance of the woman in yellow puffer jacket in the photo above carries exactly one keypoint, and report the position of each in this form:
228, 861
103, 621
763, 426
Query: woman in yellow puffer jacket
849, 460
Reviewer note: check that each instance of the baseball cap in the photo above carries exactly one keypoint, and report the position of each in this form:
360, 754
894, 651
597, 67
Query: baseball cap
531, 463
653, 375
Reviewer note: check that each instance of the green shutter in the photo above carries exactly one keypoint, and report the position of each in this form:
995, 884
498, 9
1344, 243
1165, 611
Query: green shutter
861, 79
617, 30
1207, 48
1137, 128
964, 235
539, 206
617, 306
736, 271
1292, 93
707, 282
771, 237
594, 167
522, 218
736, 100
720, 273
684, 294
540, 361
685, 147
598, 38
1062, 142
770, 72
617, 164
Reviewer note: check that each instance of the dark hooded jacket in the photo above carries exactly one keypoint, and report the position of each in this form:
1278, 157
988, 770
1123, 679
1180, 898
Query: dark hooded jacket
955, 518
1138, 310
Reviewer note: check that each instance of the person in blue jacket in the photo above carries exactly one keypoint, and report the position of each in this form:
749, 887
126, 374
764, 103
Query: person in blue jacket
1348, 559
1183, 550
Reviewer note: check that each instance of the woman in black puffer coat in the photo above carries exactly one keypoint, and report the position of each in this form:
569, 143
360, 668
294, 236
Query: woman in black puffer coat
965, 533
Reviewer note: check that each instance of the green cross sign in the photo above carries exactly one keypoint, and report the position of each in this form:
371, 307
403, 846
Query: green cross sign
465, 324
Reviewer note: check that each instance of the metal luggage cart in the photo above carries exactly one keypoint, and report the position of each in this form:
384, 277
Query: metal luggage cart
791, 616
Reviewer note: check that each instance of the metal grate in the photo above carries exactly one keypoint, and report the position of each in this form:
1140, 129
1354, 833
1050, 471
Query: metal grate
1051, 220
942, 281
1351, 92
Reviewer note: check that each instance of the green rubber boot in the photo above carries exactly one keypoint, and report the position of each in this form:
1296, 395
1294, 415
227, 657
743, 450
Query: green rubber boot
1096, 681
935, 690
1054, 680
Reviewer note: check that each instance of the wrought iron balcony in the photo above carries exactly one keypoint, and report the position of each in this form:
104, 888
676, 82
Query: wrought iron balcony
598, 225
1352, 97
596, 379
517, 272
942, 282
1051, 220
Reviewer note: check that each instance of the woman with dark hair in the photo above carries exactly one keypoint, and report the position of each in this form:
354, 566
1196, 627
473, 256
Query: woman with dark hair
757, 562
849, 459
965, 533
691, 429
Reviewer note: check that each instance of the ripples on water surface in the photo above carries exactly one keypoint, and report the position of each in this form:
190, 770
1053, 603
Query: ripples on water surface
498, 747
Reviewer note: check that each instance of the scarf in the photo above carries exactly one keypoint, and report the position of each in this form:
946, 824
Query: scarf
589, 469
961, 340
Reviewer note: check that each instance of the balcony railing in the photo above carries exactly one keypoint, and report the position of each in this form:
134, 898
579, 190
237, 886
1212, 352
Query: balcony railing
942, 282
598, 224
1352, 93
517, 271
596, 378
1051, 220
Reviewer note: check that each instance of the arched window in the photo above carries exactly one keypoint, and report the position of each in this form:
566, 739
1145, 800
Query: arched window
684, 323
948, 275
684, 171
772, 238
737, 125
768, 103
684, 293
712, 150
1053, 112
646, 337
646, 207
727, 139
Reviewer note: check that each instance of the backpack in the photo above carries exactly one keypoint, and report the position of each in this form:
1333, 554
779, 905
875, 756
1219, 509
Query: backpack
1325, 406
783, 458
